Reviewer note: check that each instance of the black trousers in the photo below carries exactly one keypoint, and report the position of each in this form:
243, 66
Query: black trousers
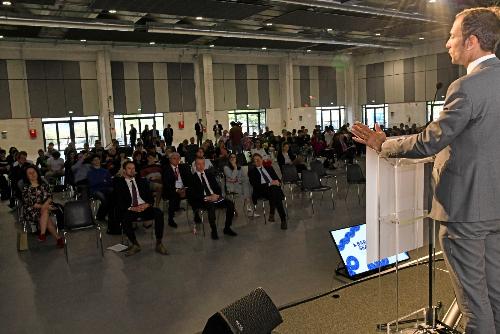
168, 141
104, 197
210, 208
173, 205
274, 195
149, 213
199, 139
4, 188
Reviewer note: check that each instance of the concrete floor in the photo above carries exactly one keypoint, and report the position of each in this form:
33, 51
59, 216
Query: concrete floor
151, 293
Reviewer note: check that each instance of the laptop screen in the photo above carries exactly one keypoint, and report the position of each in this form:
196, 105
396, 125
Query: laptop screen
351, 244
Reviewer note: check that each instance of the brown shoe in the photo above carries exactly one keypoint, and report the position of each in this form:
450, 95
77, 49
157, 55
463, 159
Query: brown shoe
161, 249
133, 249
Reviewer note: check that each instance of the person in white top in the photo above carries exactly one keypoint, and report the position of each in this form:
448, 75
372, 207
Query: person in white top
200, 153
55, 167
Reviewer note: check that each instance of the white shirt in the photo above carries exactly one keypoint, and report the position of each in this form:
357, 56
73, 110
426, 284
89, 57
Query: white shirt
178, 182
129, 184
206, 180
478, 61
262, 170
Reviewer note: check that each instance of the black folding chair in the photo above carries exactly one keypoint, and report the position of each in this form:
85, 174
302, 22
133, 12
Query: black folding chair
311, 184
318, 168
290, 177
354, 176
78, 216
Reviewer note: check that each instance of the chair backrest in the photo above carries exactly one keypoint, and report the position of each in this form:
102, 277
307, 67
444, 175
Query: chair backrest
355, 174
317, 166
289, 174
77, 214
310, 180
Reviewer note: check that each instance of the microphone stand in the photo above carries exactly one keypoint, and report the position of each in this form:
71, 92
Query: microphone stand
439, 85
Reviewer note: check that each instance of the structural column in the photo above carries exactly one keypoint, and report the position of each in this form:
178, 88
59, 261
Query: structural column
353, 112
105, 92
286, 89
205, 89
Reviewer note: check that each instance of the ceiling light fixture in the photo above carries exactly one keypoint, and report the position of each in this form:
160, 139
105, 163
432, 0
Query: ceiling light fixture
199, 18
269, 24
329, 29
264, 48
308, 50
152, 43
212, 45
83, 40
421, 38
242, 34
1, 36
40, 21
6, 3
377, 34
112, 11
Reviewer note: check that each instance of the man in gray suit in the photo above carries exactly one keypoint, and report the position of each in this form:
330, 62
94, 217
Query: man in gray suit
466, 142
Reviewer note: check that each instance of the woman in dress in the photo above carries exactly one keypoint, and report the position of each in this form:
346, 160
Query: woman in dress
37, 204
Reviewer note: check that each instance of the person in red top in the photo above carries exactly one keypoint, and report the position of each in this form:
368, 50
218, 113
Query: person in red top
235, 135
152, 172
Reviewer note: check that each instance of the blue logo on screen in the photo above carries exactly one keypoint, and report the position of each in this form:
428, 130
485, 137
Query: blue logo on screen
348, 236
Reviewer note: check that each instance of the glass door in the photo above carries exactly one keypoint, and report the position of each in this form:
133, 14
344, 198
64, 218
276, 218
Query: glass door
61, 131
64, 135
122, 125
137, 125
251, 121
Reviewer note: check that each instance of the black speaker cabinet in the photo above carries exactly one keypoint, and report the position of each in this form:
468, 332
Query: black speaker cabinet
253, 314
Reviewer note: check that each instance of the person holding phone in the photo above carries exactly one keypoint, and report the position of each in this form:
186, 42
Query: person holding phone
37, 204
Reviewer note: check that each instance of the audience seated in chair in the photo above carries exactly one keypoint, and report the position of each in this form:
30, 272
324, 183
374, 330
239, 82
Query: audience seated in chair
100, 184
200, 154
152, 172
237, 182
4, 173
266, 184
288, 158
37, 204
204, 193
176, 179
55, 167
17, 173
134, 201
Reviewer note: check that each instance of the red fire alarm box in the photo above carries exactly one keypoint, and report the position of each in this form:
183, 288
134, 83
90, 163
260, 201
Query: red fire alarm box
32, 133
181, 124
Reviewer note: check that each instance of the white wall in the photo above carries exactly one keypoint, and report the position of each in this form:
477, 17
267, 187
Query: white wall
18, 136
407, 113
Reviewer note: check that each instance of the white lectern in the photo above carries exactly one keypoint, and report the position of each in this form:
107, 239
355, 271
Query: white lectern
397, 202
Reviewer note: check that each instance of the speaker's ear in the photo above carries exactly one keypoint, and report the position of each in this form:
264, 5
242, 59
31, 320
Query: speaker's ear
254, 313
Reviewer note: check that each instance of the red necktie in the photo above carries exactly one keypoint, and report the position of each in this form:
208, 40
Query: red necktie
135, 202
176, 174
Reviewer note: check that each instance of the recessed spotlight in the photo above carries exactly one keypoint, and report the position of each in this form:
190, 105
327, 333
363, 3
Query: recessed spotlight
112, 11
308, 50
212, 45
269, 24
6, 3
421, 38
329, 29
83, 40
1, 36
152, 43
70, 111
377, 34
432, 1
199, 18
264, 48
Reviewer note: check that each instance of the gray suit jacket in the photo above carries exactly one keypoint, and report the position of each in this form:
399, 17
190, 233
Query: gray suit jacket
466, 142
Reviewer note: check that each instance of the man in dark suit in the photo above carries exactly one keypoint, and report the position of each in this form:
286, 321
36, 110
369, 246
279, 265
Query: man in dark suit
176, 178
204, 193
168, 135
198, 128
133, 136
266, 184
217, 128
134, 200
466, 170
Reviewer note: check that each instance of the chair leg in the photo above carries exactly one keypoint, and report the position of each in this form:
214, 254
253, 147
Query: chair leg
66, 246
100, 239
359, 197
264, 210
333, 201
336, 184
347, 192
312, 201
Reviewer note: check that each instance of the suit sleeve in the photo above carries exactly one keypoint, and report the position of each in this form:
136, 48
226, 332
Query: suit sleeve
456, 114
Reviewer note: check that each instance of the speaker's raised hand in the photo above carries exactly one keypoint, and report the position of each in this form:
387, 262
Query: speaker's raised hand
370, 138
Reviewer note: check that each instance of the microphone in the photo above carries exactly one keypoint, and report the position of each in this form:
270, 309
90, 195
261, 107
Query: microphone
439, 85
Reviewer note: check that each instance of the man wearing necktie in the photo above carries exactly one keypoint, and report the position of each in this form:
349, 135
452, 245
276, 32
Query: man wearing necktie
266, 184
204, 193
176, 179
134, 200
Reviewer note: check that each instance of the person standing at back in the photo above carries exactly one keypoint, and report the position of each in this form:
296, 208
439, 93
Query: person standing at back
168, 135
217, 130
133, 136
466, 172
198, 128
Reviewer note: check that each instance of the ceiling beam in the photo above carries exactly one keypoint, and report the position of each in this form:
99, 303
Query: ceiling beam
65, 23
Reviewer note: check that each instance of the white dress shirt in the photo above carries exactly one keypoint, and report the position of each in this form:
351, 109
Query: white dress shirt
178, 182
206, 180
478, 61
262, 170
129, 184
